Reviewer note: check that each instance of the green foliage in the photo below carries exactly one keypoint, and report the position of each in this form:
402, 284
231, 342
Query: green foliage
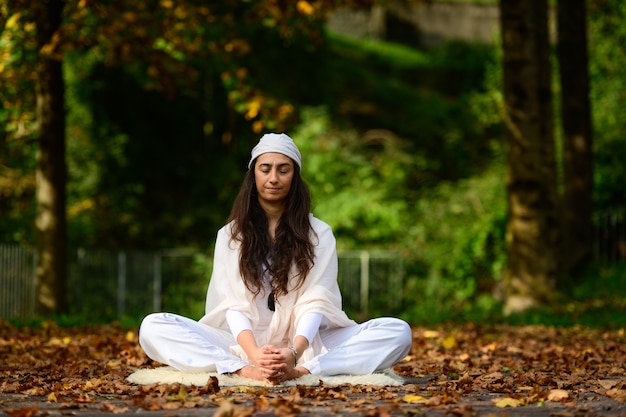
599, 300
17, 119
143, 168
451, 236
424, 103
185, 294
357, 182
401, 146
382, 54
458, 239
607, 40
151, 169
106, 285
82, 155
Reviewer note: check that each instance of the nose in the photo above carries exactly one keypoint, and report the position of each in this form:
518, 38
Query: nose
273, 175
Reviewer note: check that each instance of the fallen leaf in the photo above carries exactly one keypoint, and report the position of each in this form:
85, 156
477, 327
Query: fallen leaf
36, 391
558, 395
430, 334
83, 398
212, 384
492, 377
507, 402
617, 394
262, 404
514, 349
381, 411
21, 412
436, 400
489, 348
181, 395
411, 398
465, 410
607, 383
172, 405
228, 409
90, 365
449, 342
112, 408
92, 384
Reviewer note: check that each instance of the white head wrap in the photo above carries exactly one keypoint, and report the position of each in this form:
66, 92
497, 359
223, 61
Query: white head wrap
279, 143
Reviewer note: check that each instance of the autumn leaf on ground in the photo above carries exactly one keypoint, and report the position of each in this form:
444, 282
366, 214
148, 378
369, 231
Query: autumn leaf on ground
465, 410
558, 395
112, 408
285, 407
617, 394
21, 412
430, 334
518, 365
507, 402
411, 398
261, 404
449, 342
212, 385
490, 378
228, 409
608, 383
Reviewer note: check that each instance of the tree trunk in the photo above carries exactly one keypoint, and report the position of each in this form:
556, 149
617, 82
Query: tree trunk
532, 228
51, 168
577, 142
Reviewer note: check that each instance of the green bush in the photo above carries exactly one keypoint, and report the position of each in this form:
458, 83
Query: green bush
457, 239
607, 37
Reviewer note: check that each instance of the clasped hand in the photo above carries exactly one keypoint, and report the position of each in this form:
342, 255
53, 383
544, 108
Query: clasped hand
276, 365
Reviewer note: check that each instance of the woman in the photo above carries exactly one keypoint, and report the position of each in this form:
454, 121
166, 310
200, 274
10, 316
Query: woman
273, 307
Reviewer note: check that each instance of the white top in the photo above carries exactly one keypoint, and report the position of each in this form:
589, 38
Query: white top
318, 294
238, 322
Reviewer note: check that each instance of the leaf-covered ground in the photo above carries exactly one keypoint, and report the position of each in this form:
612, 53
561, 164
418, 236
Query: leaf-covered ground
467, 370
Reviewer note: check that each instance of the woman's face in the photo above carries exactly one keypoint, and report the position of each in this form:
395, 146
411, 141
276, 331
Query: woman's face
273, 174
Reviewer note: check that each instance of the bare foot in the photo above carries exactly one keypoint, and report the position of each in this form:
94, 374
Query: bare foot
251, 372
296, 373
257, 374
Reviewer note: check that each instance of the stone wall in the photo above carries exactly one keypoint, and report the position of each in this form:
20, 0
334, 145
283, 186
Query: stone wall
420, 22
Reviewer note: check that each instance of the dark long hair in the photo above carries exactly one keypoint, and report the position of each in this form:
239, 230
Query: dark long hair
292, 243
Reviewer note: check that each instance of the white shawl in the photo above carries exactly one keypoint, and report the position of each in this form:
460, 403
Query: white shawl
319, 293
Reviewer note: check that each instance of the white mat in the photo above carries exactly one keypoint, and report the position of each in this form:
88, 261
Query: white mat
169, 375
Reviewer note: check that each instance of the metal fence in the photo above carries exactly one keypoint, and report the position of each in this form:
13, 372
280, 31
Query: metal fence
610, 238
371, 282
17, 281
107, 285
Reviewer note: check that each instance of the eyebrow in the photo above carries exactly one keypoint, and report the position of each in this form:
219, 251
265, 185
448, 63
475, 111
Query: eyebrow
278, 165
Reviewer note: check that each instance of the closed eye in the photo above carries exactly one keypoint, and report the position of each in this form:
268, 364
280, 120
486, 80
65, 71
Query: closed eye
283, 169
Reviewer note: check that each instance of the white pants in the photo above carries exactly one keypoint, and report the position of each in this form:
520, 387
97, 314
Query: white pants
191, 346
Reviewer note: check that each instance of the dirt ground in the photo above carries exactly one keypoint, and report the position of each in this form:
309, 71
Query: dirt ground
344, 401
461, 370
